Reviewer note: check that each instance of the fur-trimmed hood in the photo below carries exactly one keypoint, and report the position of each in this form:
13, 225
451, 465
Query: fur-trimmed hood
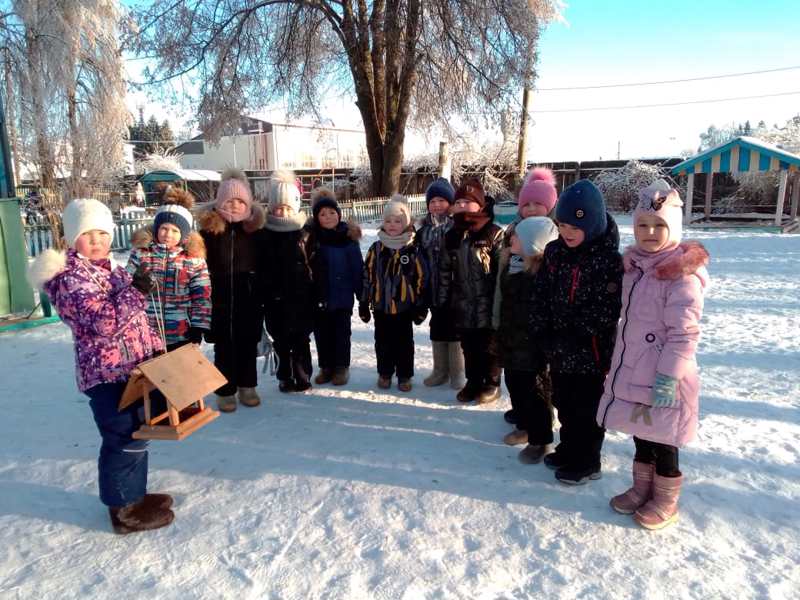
212, 222
688, 258
45, 267
194, 245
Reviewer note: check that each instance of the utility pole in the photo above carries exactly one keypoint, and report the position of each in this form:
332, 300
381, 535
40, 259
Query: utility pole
522, 147
444, 161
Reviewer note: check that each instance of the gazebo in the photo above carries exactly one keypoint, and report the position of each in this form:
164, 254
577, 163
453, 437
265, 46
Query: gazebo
740, 155
198, 181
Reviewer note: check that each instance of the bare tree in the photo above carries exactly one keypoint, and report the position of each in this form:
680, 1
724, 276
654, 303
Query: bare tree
433, 59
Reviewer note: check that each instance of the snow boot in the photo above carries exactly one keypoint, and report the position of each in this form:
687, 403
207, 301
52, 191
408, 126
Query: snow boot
301, 384
455, 365
249, 397
629, 502
578, 476
489, 393
341, 375
162, 501
404, 385
532, 454
226, 403
555, 461
509, 417
516, 437
439, 375
324, 376
286, 386
384, 383
139, 516
662, 509
469, 392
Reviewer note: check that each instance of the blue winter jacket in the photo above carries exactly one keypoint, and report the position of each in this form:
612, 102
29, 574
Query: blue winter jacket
337, 265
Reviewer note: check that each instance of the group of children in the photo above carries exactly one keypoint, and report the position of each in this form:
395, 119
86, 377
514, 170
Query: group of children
607, 340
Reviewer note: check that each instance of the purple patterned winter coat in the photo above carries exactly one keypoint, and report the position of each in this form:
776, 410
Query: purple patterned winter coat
662, 302
107, 316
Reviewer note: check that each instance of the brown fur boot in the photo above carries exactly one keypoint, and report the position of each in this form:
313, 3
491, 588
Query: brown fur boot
139, 516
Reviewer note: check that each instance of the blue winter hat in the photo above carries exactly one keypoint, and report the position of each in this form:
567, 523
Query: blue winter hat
173, 214
442, 188
582, 205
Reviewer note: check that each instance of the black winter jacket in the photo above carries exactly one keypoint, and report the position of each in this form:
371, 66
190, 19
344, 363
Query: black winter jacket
430, 241
233, 249
576, 302
288, 286
468, 271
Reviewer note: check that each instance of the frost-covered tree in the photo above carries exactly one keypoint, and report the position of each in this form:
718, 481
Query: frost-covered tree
621, 186
430, 60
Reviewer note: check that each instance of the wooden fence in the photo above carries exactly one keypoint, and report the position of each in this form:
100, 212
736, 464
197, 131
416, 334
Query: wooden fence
39, 237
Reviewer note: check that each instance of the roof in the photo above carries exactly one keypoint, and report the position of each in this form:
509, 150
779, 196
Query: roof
184, 174
741, 154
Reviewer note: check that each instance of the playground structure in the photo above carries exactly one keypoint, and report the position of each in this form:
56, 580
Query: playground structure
743, 155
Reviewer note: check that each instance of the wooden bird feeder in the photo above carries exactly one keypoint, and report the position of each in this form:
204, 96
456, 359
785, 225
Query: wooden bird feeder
184, 376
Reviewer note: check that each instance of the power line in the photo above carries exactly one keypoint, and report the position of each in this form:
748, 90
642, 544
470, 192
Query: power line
643, 83
634, 106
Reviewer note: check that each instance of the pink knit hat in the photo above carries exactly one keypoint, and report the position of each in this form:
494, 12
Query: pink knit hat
539, 188
662, 200
234, 184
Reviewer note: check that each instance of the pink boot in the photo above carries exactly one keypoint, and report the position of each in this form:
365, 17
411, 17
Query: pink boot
642, 490
662, 510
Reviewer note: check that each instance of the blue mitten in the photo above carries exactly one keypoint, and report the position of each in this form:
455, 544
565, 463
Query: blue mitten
665, 391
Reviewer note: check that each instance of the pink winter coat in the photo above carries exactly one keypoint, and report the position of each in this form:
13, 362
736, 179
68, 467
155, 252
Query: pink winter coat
662, 302
109, 325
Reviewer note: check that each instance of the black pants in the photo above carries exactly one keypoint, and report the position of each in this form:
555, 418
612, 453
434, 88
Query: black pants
481, 363
237, 362
531, 405
441, 324
394, 344
577, 397
332, 336
294, 358
663, 456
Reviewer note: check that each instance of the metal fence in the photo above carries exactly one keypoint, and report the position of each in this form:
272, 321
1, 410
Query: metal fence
39, 237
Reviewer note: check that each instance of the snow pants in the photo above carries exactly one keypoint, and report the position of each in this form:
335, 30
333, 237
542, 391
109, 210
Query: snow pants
394, 344
481, 362
663, 456
294, 357
530, 404
122, 464
332, 331
442, 326
576, 397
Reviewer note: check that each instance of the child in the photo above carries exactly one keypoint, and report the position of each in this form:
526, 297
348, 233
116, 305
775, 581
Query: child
289, 298
233, 234
537, 197
448, 360
467, 277
575, 308
524, 363
337, 269
175, 257
652, 388
105, 309
394, 282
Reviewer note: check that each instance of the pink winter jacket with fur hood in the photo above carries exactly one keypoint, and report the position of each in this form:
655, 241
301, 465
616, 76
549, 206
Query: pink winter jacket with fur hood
662, 302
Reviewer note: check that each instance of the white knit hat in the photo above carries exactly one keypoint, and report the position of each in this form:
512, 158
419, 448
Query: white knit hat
85, 214
662, 200
398, 207
283, 191
535, 233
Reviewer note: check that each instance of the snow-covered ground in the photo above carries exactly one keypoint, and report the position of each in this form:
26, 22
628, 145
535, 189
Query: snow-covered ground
357, 493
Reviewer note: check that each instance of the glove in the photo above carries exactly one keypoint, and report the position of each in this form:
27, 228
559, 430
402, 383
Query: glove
195, 335
363, 312
143, 281
665, 391
420, 315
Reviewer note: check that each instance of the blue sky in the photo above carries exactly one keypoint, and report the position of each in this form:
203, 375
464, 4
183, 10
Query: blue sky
617, 41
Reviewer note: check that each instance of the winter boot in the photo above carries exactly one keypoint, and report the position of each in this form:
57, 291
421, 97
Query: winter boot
249, 397
469, 392
455, 364
510, 417
532, 454
226, 403
489, 393
440, 365
341, 375
628, 502
324, 376
555, 460
662, 509
286, 386
404, 385
139, 516
301, 384
516, 437
162, 501
384, 383
578, 476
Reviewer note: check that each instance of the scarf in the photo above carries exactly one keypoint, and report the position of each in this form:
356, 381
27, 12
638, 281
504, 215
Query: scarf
472, 221
284, 224
395, 242
516, 264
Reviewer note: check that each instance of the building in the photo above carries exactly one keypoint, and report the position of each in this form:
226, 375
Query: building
259, 145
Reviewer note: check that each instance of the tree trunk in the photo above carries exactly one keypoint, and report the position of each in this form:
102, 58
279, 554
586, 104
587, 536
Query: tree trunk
11, 120
76, 151
39, 115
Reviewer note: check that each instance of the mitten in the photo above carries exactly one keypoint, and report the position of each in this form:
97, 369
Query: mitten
143, 281
420, 314
195, 335
665, 390
363, 312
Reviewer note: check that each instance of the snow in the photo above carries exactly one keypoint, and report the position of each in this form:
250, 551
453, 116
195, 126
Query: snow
356, 493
